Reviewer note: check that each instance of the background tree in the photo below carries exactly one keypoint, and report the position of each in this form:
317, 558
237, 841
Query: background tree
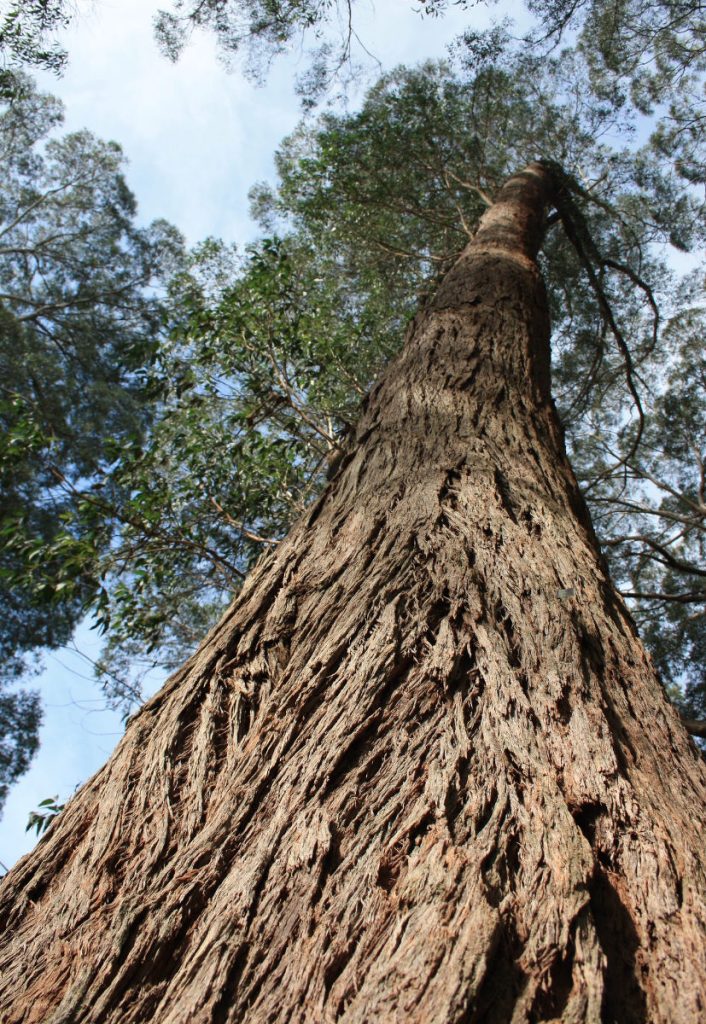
269, 356
78, 317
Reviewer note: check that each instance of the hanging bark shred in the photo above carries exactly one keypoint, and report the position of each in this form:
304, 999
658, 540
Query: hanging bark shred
422, 770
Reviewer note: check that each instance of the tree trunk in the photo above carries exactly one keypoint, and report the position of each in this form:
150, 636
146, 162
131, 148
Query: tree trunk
423, 770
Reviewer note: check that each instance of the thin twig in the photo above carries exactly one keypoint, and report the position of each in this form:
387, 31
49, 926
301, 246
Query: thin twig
249, 534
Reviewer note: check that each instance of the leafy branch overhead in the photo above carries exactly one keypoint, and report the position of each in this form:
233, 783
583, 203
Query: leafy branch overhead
649, 54
27, 39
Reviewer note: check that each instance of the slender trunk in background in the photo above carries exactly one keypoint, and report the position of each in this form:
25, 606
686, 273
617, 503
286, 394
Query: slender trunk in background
423, 770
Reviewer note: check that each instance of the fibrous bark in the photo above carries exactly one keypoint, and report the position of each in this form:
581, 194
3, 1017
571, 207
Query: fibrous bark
423, 770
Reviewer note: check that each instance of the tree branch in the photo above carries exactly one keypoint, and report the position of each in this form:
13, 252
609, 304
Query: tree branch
695, 727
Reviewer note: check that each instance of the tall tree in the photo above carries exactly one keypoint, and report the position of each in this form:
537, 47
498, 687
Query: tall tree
252, 391
423, 768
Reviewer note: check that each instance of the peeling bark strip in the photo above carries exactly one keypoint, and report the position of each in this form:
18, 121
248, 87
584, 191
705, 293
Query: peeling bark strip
422, 771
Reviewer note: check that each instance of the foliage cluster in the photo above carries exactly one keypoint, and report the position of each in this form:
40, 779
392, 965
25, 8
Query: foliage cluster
79, 318
26, 30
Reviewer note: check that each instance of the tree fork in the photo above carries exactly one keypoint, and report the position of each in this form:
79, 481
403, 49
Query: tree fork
423, 769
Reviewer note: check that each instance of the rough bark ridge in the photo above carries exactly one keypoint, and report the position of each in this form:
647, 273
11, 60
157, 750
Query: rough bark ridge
423, 770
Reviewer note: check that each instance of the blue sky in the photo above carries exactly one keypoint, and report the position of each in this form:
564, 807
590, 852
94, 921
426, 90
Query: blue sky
196, 138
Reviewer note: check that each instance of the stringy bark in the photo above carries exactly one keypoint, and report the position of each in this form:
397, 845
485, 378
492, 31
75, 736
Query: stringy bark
423, 770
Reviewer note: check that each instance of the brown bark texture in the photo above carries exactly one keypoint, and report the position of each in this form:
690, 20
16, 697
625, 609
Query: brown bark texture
423, 769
